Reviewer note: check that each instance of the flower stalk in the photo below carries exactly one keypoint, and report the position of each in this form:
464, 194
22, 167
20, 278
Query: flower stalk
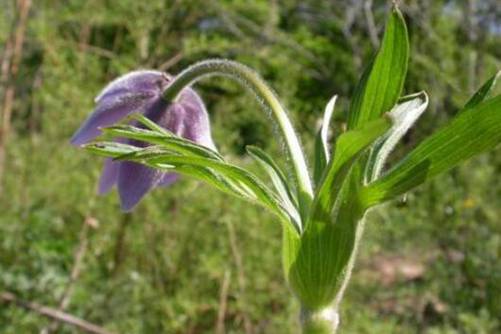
253, 81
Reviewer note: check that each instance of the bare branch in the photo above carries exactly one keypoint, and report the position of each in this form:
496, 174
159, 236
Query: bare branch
86, 326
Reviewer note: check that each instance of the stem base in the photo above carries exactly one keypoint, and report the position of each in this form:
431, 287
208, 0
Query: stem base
325, 321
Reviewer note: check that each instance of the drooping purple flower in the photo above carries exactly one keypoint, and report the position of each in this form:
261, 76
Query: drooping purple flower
141, 91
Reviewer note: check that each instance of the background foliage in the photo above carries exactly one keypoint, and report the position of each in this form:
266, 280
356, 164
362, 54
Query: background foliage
188, 260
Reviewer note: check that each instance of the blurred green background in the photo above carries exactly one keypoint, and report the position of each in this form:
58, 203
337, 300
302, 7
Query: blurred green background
189, 259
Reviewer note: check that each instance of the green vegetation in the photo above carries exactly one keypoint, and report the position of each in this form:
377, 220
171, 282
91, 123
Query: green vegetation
188, 261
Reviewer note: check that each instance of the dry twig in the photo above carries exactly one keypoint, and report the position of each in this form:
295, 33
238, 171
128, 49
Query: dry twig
86, 326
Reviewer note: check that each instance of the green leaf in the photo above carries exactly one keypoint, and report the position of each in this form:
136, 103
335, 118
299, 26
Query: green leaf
163, 139
382, 82
148, 123
483, 92
216, 180
321, 142
279, 182
404, 115
348, 148
224, 176
473, 131
317, 263
110, 149
244, 179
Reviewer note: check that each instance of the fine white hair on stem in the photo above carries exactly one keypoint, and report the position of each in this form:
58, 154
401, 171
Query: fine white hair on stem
265, 95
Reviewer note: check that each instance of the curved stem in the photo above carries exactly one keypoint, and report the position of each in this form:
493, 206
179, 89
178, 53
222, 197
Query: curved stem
253, 81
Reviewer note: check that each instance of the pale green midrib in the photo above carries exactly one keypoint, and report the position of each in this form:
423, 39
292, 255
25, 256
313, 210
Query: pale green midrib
253, 81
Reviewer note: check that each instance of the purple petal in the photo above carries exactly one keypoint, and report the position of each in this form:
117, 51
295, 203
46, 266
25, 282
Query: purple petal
133, 92
110, 111
187, 118
168, 179
134, 181
109, 176
196, 119
136, 81
169, 116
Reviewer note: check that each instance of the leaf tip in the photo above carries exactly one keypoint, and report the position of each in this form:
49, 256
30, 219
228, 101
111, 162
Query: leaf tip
497, 76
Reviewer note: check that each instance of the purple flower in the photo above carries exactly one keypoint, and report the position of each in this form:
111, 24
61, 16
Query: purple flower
141, 91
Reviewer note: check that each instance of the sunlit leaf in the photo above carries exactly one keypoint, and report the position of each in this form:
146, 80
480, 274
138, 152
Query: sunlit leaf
278, 179
473, 131
347, 149
483, 92
164, 139
110, 149
403, 115
382, 82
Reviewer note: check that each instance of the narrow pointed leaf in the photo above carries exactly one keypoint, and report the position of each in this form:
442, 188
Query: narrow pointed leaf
278, 179
348, 148
163, 139
110, 149
473, 131
148, 123
220, 182
228, 176
403, 115
321, 142
236, 174
483, 92
382, 82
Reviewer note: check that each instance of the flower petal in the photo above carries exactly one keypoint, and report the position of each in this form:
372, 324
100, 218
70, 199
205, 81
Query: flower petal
168, 179
196, 119
109, 112
135, 82
109, 176
134, 181
133, 92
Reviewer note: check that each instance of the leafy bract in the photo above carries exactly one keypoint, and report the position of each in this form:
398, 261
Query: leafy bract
473, 131
483, 92
262, 193
279, 182
403, 115
382, 82
169, 152
348, 147
111, 149
165, 139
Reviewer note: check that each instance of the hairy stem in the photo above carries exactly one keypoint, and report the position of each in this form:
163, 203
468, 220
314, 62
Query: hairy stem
264, 93
323, 321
